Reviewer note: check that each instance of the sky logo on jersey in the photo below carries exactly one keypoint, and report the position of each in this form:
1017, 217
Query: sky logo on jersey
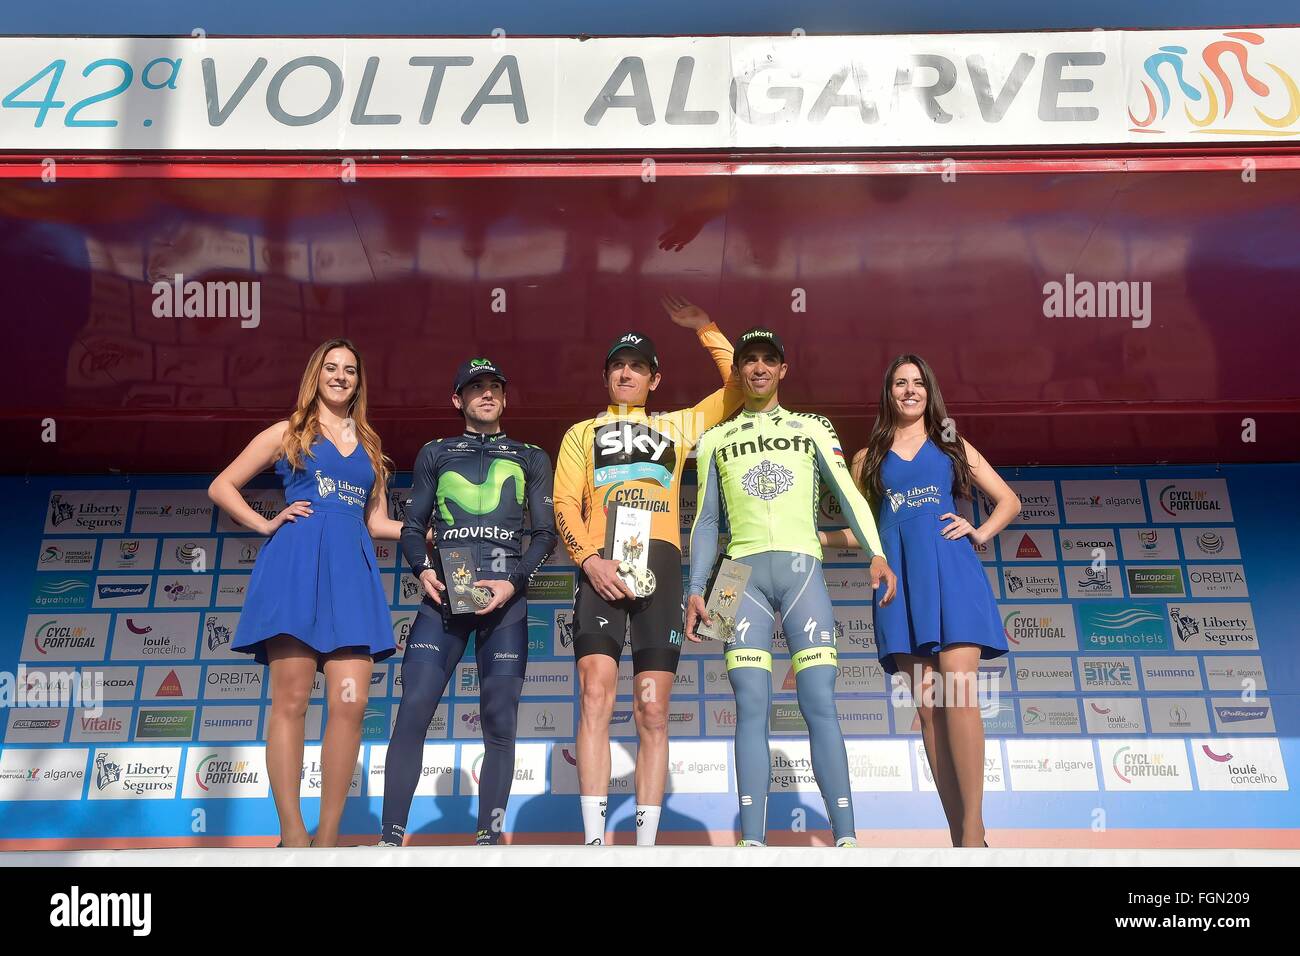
632, 451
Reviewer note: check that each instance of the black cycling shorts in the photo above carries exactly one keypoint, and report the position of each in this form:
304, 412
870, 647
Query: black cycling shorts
654, 624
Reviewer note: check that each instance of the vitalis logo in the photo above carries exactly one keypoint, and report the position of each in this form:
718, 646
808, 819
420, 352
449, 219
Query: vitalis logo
627, 451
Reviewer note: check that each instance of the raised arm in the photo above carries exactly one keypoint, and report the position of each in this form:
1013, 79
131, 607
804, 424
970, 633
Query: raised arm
721, 404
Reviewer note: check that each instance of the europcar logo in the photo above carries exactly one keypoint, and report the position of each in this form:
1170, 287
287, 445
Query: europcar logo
1207, 107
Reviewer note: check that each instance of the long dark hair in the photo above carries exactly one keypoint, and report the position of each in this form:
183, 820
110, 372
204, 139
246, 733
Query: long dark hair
887, 421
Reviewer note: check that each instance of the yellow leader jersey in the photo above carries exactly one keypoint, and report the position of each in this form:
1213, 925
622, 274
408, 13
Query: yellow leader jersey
624, 455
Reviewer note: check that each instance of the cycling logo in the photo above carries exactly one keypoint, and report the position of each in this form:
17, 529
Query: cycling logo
767, 480
631, 451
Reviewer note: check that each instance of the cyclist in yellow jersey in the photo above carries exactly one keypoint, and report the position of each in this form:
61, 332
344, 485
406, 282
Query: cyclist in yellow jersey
627, 456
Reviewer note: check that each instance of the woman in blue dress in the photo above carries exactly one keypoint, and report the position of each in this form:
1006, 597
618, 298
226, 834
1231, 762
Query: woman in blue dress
315, 600
944, 618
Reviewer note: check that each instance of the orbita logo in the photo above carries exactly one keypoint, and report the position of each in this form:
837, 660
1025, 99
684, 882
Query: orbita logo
478, 763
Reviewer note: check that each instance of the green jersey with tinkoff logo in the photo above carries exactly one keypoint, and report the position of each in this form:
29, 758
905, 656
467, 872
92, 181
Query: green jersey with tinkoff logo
763, 470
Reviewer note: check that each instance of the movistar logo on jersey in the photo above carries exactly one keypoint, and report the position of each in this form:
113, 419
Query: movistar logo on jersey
479, 498
631, 451
767, 480
765, 445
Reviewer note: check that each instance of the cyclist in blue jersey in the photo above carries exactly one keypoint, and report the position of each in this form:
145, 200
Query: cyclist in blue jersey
473, 488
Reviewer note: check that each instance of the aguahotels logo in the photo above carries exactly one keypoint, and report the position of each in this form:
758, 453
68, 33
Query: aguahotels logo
1215, 101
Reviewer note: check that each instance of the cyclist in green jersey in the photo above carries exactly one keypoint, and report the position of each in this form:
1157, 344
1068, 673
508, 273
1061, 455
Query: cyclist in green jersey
764, 469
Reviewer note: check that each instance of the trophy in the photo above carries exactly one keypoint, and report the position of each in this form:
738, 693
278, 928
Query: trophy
722, 600
458, 576
627, 533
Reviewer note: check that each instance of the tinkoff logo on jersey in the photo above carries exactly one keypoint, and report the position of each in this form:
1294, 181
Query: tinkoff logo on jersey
632, 451
765, 444
767, 480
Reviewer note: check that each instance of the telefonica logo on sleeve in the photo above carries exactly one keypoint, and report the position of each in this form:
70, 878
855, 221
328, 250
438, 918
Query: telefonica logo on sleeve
1122, 627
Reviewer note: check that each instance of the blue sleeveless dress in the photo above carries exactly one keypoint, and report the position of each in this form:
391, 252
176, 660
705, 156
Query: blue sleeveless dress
316, 579
943, 594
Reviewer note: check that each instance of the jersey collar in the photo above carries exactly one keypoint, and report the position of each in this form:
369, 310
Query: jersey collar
484, 439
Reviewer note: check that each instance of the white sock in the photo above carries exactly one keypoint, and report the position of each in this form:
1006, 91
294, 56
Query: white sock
647, 825
593, 819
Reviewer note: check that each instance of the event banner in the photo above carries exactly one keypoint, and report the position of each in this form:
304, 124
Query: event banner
1151, 683
424, 95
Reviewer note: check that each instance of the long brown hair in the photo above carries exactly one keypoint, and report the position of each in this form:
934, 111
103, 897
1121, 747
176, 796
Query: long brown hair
936, 416
304, 423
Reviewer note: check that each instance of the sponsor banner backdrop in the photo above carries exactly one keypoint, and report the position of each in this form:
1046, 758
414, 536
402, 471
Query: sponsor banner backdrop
1148, 613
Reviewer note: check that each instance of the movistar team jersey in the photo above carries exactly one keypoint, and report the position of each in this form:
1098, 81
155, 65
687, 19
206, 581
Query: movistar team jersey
473, 487
627, 456
765, 470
